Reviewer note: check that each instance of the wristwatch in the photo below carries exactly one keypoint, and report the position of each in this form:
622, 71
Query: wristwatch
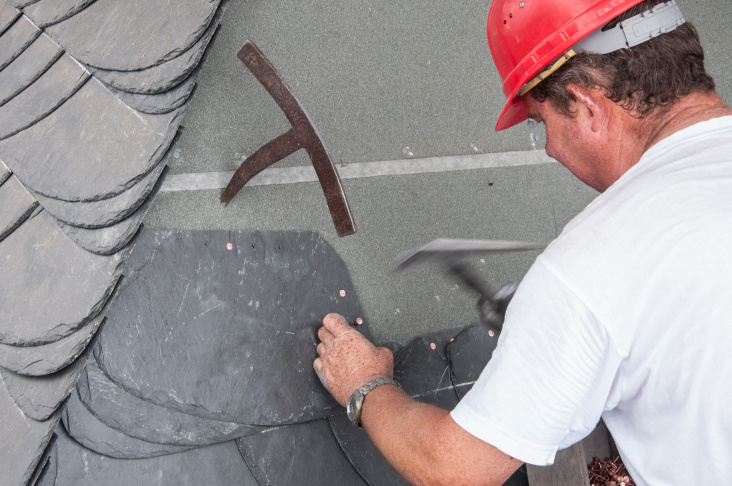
355, 403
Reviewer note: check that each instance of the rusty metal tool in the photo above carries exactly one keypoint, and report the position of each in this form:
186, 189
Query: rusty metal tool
303, 134
491, 305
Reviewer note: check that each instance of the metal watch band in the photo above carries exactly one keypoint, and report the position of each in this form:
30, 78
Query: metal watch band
377, 382
359, 395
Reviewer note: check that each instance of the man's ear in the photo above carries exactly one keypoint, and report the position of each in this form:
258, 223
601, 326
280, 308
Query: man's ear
593, 102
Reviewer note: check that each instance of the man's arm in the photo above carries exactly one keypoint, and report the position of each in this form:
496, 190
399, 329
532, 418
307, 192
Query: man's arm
422, 442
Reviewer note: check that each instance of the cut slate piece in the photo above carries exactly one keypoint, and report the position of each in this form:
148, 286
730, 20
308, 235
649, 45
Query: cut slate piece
165, 76
105, 212
16, 203
301, 454
89, 431
4, 172
468, 354
73, 154
39, 99
57, 287
8, 15
156, 104
22, 440
21, 3
45, 472
219, 464
111, 239
28, 66
133, 35
246, 318
16, 39
48, 358
149, 422
47, 12
40, 396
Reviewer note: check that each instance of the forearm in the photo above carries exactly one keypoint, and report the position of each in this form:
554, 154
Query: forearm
426, 446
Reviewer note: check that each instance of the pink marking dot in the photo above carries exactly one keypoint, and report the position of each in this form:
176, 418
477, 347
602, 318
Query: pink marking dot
359, 321
433, 346
343, 293
491, 333
229, 246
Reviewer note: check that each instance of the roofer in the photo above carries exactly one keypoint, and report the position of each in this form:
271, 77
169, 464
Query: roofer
627, 314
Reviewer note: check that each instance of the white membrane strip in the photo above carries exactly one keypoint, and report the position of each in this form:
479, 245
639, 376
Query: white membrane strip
291, 175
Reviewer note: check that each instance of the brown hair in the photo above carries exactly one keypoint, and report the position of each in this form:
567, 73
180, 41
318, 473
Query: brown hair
641, 79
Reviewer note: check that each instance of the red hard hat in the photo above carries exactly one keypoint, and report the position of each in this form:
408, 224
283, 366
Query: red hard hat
527, 35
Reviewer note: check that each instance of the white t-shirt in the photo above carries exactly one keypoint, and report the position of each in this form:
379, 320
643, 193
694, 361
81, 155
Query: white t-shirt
627, 315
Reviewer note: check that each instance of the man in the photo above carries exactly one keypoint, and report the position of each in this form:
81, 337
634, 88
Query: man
627, 314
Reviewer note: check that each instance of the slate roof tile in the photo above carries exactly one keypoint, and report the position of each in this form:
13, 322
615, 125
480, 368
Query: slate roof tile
8, 14
73, 154
114, 35
28, 66
17, 205
16, 39
43, 96
47, 12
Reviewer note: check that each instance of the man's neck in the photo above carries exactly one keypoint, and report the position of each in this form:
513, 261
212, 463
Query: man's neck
688, 111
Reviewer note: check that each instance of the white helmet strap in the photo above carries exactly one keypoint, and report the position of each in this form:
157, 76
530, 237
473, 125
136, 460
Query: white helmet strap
662, 18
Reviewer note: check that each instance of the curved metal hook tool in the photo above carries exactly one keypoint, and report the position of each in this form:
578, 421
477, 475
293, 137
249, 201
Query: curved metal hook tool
302, 135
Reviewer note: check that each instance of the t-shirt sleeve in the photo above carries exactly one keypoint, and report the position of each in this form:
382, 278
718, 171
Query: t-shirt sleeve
547, 383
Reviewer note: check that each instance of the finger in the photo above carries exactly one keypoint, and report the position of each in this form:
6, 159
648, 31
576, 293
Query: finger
320, 349
336, 324
325, 335
318, 366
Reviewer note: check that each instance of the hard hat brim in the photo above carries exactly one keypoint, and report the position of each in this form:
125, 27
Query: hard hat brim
513, 113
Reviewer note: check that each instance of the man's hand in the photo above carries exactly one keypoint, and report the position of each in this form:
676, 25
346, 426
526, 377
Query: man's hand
347, 360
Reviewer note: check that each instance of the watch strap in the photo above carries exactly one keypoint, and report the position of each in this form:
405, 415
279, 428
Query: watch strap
367, 388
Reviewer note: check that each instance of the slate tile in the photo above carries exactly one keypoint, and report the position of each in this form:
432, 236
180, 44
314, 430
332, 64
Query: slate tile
8, 15
468, 354
164, 76
138, 418
4, 172
93, 434
219, 464
45, 472
246, 319
73, 153
21, 3
57, 286
28, 66
16, 203
15, 39
104, 212
155, 104
42, 97
302, 454
46, 359
22, 440
110, 239
133, 35
39, 397
47, 12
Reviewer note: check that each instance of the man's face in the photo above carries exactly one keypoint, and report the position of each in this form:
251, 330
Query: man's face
566, 141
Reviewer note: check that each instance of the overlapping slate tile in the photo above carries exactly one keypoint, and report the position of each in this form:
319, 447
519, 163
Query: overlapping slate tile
468, 354
247, 319
93, 434
47, 12
16, 39
111, 239
22, 440
46, 359
39, 397
21, 3
5, 173
57, 286
133, 35
45, 473
302, 454
73, 154
155, 104
28, 66
164, 76
146, 421
219, 464
104, 212
16, 203
8, 15
39, 99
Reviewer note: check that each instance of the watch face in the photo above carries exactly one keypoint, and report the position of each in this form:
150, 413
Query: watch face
352, 408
